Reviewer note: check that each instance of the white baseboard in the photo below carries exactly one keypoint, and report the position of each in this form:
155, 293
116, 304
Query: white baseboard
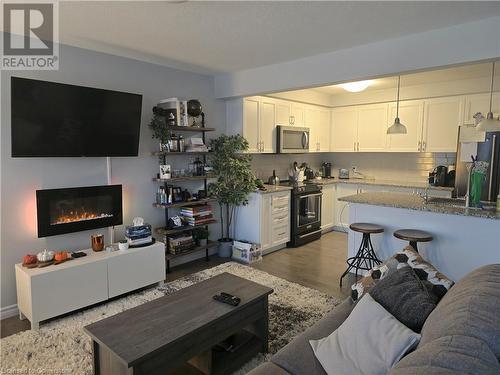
8, 311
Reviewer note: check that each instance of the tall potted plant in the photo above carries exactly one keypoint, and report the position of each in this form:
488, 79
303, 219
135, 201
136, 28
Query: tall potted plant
234, 182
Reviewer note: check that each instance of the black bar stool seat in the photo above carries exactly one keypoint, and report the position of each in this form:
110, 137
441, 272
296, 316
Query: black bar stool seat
414, 236
365, 259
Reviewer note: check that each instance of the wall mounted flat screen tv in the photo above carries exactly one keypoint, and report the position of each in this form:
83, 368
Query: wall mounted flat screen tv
52, 119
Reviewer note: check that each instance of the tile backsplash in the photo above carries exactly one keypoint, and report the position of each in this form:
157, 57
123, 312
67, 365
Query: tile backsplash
386, 166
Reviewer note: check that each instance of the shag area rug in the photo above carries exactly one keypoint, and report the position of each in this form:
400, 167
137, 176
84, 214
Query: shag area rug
61, 347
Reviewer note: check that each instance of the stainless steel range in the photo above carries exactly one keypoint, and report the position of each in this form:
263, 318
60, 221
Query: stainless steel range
306, 213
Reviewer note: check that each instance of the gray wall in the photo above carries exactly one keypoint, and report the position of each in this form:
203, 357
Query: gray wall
20, 177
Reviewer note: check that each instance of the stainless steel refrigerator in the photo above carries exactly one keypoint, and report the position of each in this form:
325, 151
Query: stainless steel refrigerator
488, 151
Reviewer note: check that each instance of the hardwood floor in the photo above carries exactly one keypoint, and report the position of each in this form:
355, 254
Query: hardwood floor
317, 265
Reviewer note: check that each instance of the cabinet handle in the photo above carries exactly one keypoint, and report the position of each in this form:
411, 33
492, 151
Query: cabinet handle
354, 146
419, 145
424, 146
262, 146
358, 146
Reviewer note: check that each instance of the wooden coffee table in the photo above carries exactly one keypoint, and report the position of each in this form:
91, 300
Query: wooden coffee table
183, 329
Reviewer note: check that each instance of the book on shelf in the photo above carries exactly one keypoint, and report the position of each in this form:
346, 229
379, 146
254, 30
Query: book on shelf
180, 243
197, 221
197, 209
196, 215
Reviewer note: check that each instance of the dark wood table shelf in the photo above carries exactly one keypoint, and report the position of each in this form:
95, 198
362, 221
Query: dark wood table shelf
170, 153
209, 245
162, 335
185, 204
184, 228
184, 178
195, 129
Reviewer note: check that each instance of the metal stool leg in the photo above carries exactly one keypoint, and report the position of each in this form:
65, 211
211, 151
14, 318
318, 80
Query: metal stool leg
414, 245
365, 258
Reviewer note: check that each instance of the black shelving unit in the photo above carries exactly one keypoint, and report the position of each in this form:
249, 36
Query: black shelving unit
165, 232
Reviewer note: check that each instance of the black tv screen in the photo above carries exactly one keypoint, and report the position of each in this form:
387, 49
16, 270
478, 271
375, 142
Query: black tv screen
55, 119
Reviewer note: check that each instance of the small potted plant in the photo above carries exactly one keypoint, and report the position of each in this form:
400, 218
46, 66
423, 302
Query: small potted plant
235, 181
201, 236
160, 131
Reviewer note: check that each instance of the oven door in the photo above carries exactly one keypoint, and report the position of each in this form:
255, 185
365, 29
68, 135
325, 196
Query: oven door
308, 212
293, 139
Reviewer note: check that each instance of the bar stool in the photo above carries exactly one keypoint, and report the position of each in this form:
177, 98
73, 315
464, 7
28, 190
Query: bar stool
365, 258
414, 236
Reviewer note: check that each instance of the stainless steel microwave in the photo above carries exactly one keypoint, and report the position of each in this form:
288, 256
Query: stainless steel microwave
292, 140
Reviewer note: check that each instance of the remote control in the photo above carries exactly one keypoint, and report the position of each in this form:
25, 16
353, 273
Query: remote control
227, 298
78, 254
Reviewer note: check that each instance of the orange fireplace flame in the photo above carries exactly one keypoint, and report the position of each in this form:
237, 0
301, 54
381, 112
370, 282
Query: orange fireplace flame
78, 215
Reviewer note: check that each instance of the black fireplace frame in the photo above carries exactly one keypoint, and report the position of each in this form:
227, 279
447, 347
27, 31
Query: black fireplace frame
44, 197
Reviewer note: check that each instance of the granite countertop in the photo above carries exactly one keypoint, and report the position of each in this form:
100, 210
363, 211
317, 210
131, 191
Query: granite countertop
415, 202
376, 182
273, 189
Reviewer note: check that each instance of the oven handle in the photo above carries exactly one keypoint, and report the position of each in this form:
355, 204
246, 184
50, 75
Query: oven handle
310, 195
310, 234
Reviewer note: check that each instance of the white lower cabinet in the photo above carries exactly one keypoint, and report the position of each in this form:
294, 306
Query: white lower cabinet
328, 206
341, 208
265, 220
44, 293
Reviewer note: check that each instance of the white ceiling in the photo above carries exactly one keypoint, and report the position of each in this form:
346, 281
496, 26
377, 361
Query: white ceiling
422, 78
210, 37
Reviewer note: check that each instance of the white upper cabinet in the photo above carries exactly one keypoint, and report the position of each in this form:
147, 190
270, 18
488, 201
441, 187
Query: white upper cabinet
251, 113
480, 103
267, 126
297, 111
324, 130
283, 114
311, 119
372, 127
255, 119
442, 117
344, 129
411, 115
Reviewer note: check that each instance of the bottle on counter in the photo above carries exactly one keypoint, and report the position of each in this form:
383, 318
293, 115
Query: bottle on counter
182, 143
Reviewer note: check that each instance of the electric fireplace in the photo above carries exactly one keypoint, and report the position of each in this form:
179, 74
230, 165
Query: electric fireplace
69, 210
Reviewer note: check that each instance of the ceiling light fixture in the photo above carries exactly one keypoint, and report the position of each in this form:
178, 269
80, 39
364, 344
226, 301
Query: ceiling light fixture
397, 127
356, 86
490, 124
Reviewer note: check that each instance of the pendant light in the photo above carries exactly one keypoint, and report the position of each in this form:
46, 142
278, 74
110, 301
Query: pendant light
397, 127
489, 124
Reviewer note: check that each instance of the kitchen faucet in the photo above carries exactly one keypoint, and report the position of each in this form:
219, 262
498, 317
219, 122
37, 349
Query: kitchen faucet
425, 194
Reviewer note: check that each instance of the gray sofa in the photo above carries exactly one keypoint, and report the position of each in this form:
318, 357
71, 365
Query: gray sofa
460, 336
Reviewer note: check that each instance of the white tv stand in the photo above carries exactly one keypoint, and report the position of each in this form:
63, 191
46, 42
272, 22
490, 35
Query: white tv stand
44, 293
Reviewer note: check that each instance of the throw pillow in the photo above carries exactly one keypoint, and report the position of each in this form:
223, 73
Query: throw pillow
405, 296
435, 281
425, 271
370, 341
377, 273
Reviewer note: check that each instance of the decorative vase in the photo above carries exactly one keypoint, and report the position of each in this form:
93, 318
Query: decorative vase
97, 242
225, 248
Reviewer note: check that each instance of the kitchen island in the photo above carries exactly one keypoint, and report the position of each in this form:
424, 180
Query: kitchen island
464, 238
